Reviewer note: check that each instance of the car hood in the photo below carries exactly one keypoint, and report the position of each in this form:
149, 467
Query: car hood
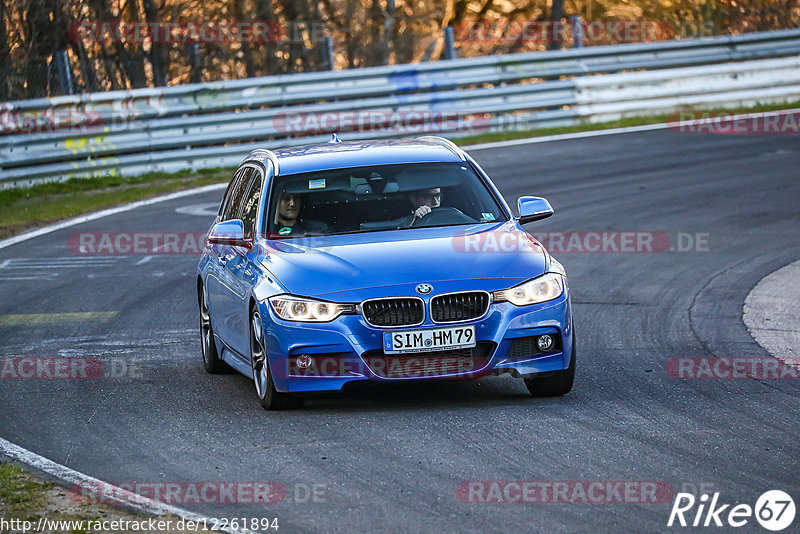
342, 267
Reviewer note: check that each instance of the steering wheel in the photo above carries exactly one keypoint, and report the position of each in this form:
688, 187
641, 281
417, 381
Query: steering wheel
443, 215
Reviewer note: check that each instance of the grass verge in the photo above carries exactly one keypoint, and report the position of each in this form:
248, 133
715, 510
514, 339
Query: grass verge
24, 209
23, 497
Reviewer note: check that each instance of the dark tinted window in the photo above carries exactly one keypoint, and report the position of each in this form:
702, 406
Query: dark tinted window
234, 206
226, 199
250, 207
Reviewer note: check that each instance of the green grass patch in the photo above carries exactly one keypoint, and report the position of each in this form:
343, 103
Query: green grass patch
22, 496
23, 209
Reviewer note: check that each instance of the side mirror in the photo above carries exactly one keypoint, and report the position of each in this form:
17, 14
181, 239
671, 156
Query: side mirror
230, 233
533, 209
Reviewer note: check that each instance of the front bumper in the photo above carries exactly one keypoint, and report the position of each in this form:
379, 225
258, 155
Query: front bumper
347, 349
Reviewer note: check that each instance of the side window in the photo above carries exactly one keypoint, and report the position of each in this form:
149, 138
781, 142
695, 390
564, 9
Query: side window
234, 207
250, 208
226, 199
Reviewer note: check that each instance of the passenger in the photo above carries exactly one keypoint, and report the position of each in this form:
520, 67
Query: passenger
287, 217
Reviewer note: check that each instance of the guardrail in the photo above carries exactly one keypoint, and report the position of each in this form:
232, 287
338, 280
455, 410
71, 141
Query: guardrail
212, 125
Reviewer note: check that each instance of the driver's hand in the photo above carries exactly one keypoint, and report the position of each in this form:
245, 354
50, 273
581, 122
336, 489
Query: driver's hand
421, 212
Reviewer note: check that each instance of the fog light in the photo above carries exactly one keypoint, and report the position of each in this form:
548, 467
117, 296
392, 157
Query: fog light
544, 342
303, 361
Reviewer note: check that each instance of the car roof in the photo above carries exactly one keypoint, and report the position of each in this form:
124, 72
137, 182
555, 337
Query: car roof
337, 155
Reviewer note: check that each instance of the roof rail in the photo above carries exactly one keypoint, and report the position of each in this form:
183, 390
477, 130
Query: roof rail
443, 142
270, 156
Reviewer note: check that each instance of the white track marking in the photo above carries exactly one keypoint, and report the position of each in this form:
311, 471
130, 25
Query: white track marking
615, 131
59, 263
71, 477
770, 313
43, 276
206, 209
105, 213
144, 260
562, 137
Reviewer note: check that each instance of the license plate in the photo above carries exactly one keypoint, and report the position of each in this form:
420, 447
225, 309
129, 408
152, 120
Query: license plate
411, 341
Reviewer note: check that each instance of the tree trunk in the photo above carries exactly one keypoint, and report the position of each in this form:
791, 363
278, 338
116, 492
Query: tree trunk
135, 66
297, 48
159, 56
5, 59
239, 15
42, 42
265, 14
88, 74
556, 15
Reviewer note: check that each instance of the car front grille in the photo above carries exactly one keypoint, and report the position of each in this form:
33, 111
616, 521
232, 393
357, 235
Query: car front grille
459, 306
393, 312
459, 362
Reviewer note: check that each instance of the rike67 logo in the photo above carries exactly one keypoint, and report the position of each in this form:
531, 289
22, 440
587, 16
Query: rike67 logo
774, 510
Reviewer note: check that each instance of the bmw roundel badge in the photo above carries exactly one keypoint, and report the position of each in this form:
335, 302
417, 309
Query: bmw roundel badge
424, 289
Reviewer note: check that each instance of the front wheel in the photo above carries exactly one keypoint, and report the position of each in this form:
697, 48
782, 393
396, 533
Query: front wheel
211, 360
555, 384
271, 398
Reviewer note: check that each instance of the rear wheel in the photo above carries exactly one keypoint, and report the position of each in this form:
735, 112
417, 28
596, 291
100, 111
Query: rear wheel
211, 360
271, 398
554, 384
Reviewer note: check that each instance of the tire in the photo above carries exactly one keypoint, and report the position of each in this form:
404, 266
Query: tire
211, 360
555, 384
271, 398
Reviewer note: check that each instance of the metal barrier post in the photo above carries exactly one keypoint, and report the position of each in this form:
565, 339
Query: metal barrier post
449, 43
327, 53
577, 31
64, 75
196, 71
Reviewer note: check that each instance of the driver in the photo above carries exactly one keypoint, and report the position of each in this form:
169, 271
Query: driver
287, 217
423, 202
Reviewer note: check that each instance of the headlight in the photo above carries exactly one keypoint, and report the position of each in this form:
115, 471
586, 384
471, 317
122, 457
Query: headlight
556, 267
549, 286
307, 310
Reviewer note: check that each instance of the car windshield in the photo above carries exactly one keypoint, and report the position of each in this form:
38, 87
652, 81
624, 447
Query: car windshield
377, 198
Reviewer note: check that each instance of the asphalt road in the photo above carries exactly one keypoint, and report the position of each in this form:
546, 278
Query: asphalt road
391, 459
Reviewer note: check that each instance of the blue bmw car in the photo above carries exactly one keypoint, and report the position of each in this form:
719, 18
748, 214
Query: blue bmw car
383, 260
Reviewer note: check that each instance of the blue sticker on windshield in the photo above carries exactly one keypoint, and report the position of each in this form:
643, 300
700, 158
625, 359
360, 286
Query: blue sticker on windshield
487, 217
